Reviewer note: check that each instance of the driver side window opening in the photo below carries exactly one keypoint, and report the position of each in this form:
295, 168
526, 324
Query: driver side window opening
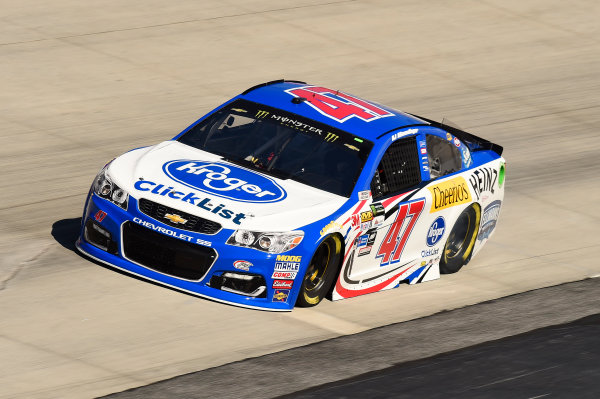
398, 170
444, 157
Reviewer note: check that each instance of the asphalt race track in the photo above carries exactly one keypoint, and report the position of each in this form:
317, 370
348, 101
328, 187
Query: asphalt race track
560, 361
82, 82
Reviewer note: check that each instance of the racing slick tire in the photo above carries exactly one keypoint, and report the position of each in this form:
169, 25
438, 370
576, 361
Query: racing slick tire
460, 243
321, 272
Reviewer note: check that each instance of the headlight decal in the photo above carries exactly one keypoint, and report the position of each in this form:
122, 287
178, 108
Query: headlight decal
271, 242
105, 188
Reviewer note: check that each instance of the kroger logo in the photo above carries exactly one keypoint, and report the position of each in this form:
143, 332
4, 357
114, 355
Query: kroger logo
436, 231
225, 181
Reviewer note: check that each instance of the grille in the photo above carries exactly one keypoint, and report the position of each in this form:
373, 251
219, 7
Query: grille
194, 223
166, 254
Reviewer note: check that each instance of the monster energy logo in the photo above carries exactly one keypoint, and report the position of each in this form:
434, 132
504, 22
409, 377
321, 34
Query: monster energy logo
261, 114
331, 137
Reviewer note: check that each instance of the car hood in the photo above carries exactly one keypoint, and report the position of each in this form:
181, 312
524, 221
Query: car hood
203, 184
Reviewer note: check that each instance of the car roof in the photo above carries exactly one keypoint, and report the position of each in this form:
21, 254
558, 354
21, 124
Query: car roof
277, 94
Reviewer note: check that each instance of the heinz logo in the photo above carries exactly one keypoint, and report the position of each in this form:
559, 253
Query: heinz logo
225, 181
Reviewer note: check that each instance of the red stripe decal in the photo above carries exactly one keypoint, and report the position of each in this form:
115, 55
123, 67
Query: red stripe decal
360, 205
350, 293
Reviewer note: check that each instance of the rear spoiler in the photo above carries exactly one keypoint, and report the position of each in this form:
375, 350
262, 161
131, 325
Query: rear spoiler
473, 142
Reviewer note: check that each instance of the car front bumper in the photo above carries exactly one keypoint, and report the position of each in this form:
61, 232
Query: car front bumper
131, 241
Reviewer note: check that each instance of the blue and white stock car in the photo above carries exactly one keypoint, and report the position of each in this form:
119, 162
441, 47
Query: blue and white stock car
289, 193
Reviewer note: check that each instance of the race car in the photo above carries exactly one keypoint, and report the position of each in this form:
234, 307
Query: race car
290, 193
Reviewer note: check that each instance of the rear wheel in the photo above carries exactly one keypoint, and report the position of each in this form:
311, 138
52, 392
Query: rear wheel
320, 272
460, 243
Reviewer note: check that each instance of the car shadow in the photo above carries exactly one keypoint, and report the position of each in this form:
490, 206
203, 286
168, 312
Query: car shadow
66, 232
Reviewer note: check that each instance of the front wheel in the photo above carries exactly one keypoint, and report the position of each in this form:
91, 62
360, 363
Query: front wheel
320, 272
460, 243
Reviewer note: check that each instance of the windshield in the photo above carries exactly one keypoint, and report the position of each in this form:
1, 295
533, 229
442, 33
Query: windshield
282, 144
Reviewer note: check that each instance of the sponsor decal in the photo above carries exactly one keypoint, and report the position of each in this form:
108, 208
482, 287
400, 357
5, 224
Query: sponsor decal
281, 295
366, 225
396, 136
171, 233
226, 181
448, 136
190, 198
366, 244
482, 180
260, 114
429, 252
378, 214
287, 263
378, 220
284, 275
304, 127
366, 216
501, 176
377, 209
449, 193
489, 219
331, 137
99, 216
456, 142
395, 240
286, 284
466, 153
425, 168
338, 106
423, 150
364, 195
289, 258
362, 240
365, 250
242, 265
287, 266
331, 225
436, 231
175, 218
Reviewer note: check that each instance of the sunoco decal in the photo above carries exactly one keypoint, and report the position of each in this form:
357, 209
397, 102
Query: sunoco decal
226, 181
489, 219
449, 193
281, 295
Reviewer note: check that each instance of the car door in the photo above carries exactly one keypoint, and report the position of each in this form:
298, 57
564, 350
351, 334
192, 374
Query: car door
384, 245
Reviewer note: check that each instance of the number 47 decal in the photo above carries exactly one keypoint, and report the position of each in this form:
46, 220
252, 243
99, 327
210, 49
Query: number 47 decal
395, 240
